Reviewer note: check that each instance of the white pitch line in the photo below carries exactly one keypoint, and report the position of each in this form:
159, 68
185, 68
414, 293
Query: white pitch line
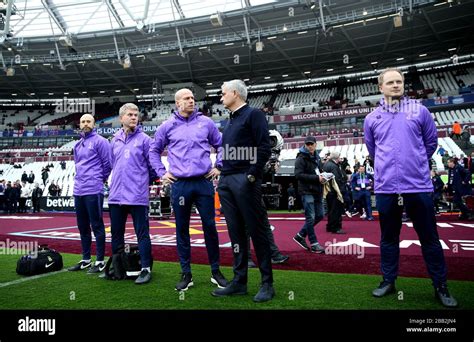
22, 280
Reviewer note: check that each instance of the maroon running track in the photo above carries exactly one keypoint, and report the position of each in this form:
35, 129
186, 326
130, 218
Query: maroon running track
59, 231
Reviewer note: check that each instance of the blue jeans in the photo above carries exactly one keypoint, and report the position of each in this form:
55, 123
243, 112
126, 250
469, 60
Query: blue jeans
366, 201
199, 191
118, 219
420, 209
89, 214
314, 213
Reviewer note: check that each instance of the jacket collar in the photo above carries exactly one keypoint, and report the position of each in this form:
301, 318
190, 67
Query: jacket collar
88, 135
194, 115
121, 133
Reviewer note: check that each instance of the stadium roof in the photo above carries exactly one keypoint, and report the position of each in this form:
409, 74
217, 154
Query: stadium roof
83, 47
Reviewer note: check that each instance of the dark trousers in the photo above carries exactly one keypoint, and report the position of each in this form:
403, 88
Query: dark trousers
242, 205
420, 209
365, 202
457, 201
36, 204
89, 214
118, 219
314, 213
335, 211
13, 206
185, 193
22, 205
275, 252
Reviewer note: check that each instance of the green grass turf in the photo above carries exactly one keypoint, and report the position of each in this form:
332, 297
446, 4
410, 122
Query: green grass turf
284, 211
295, 290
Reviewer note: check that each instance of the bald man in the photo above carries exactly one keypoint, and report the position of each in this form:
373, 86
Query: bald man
189, 137
92, 159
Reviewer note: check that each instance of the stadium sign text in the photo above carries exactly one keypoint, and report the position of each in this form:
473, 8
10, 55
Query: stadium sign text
330, 114
60, 202
113, 130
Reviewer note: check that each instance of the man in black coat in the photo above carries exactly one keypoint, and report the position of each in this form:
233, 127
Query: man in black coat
24, 177
246, 149
31, 177
307, 172
335, 207
36, 197
459, 185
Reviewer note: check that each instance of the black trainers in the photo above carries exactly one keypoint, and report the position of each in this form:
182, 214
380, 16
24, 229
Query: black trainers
81, 265
317, 248
280, 259
384, 289
185, 283
230, 290
96, 268
143, 278
217, 278
301, 241
442, 294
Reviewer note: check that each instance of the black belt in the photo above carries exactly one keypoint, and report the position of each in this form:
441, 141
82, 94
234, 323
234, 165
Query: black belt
192, 178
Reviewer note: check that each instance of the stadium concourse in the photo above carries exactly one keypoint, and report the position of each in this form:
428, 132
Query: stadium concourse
356, 252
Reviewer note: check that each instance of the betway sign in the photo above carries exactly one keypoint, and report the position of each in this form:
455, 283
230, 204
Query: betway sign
59, 203
328, 114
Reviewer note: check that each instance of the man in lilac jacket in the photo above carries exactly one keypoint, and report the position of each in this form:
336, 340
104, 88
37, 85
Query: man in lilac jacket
92, 159
129, 187
401, 135
189, 136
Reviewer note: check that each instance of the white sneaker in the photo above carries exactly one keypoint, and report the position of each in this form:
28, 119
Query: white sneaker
348, 214
363, 216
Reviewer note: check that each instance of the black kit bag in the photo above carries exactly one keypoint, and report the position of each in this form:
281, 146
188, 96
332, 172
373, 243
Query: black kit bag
125, 264
44, 260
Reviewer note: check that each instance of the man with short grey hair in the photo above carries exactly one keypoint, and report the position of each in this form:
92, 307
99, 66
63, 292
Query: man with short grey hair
335, 206
129, 187
246, 149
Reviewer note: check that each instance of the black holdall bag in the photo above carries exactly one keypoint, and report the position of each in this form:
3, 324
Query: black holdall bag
43, 260
125, 264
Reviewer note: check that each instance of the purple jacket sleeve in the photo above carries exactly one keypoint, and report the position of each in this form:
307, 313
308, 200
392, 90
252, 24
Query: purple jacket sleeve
112, 155
105, 153
157, 147
215, 139
429, 133
369, 137
146, 152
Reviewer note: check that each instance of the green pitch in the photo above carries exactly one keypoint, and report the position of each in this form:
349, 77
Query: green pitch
295, 290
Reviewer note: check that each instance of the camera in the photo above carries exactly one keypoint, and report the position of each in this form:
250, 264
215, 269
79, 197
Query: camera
276, 144
271, 191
